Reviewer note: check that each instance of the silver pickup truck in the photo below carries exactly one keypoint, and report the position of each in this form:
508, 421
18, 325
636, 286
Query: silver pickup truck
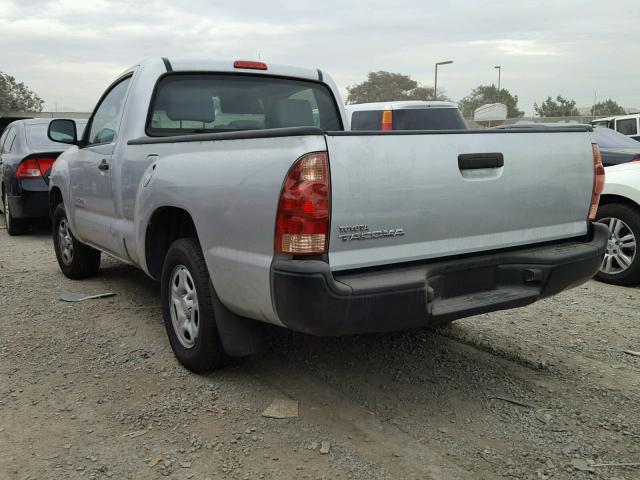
235, 185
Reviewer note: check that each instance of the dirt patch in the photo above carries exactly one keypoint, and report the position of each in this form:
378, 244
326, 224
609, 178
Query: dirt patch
91, 390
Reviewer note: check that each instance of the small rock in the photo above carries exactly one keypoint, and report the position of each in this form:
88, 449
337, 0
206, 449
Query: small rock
325, 447
282, 408
581, 464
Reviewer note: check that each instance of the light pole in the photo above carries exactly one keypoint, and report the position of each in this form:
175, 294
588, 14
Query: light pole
499, 68
435, 82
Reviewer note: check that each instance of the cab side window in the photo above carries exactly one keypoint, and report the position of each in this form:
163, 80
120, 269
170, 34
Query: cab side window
106, 120
627, 126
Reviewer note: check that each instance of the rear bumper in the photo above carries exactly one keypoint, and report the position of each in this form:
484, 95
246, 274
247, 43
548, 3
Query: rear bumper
29, 205
308, 298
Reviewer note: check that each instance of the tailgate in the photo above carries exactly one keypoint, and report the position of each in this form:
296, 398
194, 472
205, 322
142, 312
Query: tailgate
401, 196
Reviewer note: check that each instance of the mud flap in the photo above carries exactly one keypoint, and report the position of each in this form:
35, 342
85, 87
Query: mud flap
240, 336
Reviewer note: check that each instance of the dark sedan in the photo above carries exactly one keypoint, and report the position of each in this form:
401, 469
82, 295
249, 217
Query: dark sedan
615, 147
26, 158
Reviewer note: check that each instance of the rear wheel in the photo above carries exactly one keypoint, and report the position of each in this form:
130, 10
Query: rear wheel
187, 308
621, 263
76, 260
15, 226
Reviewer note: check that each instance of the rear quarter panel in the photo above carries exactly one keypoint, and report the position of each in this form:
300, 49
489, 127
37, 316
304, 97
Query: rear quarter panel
231, 189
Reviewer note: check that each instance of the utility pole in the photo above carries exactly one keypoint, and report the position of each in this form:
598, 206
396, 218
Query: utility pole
435, 82
499, 68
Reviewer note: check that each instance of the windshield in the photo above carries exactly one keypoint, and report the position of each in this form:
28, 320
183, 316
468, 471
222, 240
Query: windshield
201, 103
608, 138
37, 135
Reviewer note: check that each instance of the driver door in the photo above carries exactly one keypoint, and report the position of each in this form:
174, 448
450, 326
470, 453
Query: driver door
91, 172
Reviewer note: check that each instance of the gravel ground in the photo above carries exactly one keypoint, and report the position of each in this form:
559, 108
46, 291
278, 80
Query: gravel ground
91, 390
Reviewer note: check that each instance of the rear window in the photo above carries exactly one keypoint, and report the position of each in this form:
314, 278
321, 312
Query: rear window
37, 135
411, 119
428, 119
366, 120
205, 103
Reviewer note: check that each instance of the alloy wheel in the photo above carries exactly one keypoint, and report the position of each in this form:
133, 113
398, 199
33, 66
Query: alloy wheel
621, 247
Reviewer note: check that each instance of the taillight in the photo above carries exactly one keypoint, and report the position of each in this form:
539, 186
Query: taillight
598, 181
387, 120
302, 222
34, 167
249, 65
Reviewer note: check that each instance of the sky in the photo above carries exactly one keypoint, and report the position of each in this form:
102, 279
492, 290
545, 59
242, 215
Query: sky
68, 51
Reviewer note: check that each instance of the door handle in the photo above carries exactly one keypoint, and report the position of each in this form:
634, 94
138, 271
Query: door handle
104, 166
475, 161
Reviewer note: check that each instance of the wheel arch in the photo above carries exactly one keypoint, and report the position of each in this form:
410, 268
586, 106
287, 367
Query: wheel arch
166, 225
611, 198
55, 198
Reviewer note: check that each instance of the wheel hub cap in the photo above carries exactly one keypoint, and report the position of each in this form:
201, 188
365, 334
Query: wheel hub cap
65, 241
185, 313
621, 247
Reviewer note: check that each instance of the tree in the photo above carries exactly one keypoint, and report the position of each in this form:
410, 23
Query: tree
608, 107
388, 87
17, 97
560, 107
483, 94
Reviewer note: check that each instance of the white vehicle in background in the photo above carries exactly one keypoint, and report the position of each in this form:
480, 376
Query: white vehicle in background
406, 115
620, 211
628, 125
489, 113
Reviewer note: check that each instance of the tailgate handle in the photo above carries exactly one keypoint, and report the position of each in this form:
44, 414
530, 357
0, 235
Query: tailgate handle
474, 161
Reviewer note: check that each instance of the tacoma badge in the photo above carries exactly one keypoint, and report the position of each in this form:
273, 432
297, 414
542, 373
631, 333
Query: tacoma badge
362, 232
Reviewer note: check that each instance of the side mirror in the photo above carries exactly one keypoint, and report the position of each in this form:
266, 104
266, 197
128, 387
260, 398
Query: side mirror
63, 131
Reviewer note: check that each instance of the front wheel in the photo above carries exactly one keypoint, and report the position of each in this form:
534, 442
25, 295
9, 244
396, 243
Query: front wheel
621, 263
75, 259
187, 308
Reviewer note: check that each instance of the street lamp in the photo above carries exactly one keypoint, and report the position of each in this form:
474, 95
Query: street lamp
499, 68
435, 83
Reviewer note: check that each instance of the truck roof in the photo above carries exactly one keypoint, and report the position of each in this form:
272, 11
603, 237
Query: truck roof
400, 105
204, 64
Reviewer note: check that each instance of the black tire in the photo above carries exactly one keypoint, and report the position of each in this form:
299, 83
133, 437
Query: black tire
631, 217
206, 352
15, 226
83, 261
